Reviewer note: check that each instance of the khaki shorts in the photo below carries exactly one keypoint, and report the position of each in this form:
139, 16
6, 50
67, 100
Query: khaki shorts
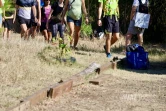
133, 30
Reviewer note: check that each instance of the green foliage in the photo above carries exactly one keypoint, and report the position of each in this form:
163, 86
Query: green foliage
156, 31
63, 48
8, 5
86, 29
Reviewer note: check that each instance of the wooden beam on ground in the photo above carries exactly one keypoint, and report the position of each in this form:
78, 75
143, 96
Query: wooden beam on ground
90, 69
55, 90
59, 89
100, 79
77, 79
112, 65
37, 97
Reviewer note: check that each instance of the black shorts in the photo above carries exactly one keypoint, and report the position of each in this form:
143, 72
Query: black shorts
43, 26
8, 23
22, 20
111, 25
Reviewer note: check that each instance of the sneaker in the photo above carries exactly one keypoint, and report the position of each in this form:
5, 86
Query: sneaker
108, 55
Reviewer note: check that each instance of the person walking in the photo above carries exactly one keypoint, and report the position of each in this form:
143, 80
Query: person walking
74, 18
36, 25
110, 22
132, 29
24, 8
1, 5
45, 11
8, 16
54, 20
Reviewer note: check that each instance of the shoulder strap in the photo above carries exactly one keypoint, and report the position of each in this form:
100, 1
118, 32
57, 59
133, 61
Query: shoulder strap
72, 2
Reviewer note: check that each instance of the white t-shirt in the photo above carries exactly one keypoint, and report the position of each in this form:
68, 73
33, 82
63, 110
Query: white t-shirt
136, 2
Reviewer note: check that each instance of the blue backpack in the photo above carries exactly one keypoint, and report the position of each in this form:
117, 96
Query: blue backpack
136, 57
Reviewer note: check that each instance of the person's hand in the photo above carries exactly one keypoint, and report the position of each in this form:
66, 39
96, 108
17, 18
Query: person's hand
47, 25
39, 23
86, 20
3, 19
63, 20
99, 22
13, 20
36, 20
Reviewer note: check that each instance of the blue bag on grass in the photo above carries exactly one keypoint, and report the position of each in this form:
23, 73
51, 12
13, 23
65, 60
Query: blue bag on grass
137, 58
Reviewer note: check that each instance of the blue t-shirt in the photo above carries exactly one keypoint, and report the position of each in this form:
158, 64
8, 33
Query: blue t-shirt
25, 8
41, 3
26, 3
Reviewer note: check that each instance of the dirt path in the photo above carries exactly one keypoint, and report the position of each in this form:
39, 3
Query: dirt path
122, 91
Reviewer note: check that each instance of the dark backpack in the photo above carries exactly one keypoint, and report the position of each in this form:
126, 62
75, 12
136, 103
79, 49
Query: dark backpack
143, 8
137, 57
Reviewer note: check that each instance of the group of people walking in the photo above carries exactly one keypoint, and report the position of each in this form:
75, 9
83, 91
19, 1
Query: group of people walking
110, 22
51, 19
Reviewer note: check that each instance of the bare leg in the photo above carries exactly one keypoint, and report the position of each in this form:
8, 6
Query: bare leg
71, 28
8, 34
5, 33
108, 42
34, 31
77, 35
128, 39
49, 36
23, 30
140, 39
114, 38
27, 34
45, 35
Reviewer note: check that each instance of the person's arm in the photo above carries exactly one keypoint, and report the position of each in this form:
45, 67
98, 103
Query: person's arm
1, 4
15, 13
84, 8
133, 11
84, 11
4, 16
65, 10
99, 14
34, 12
39, 12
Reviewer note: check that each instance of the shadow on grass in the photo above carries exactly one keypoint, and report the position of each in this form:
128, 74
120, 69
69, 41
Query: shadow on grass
155, 68
50, 56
